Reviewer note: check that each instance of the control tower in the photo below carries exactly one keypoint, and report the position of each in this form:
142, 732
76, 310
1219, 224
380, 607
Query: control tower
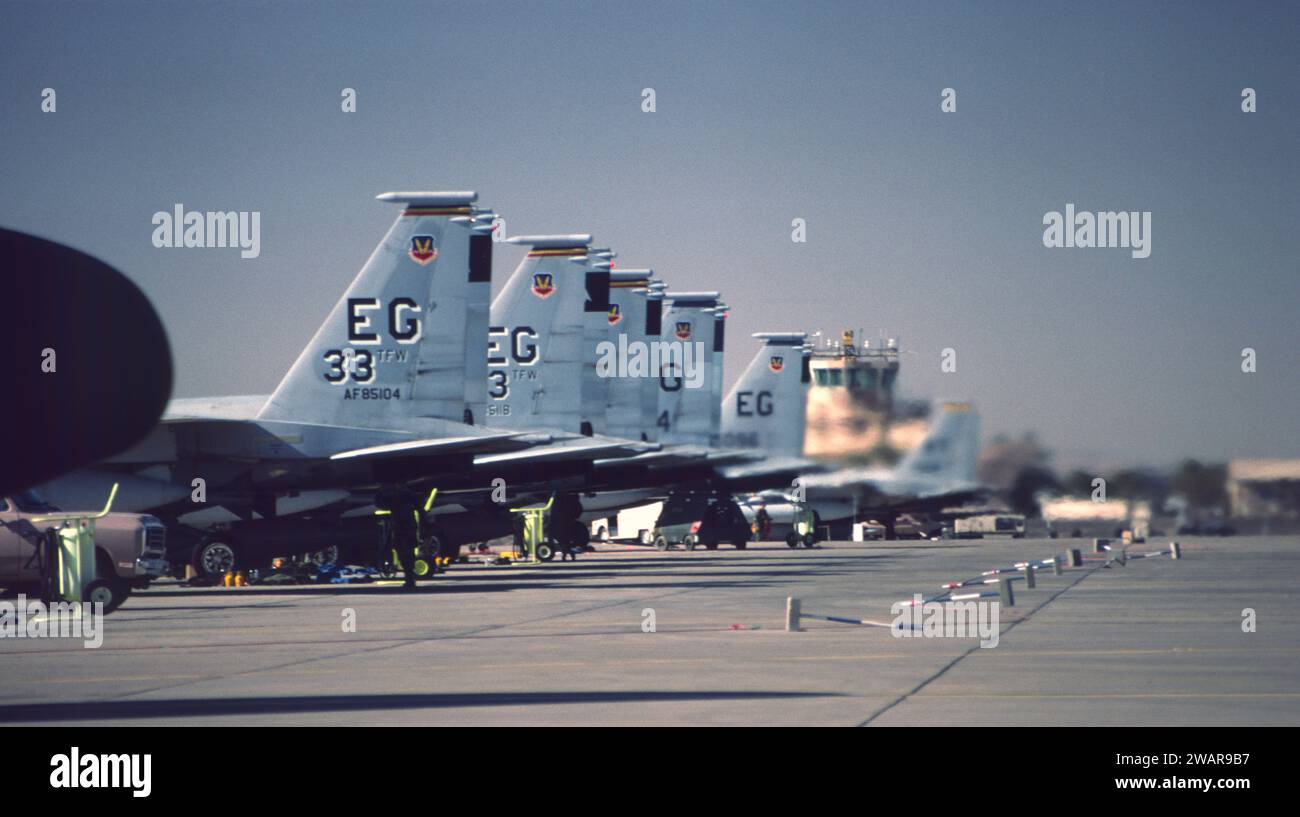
854, 417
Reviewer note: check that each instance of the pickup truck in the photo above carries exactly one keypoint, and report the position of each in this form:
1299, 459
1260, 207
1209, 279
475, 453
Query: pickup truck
129, 548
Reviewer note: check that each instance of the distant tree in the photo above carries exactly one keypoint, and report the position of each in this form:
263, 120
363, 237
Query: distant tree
1029, 481
1078, 483
1138, 484
1203, 486
1003, 459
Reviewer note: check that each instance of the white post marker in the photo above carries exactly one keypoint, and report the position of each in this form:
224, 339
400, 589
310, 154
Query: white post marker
791, 615
1175, 550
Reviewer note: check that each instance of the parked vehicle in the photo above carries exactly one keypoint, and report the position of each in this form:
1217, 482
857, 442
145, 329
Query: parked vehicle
129, 548
992, 524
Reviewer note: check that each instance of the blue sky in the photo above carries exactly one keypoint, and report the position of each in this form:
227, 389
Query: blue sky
921, 224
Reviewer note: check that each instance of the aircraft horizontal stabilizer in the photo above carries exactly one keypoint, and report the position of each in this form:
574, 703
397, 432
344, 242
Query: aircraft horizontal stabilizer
240, 407
434, 447
770, 466
583, 450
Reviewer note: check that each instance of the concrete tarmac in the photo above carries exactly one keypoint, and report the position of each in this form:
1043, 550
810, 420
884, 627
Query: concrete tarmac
1159, 641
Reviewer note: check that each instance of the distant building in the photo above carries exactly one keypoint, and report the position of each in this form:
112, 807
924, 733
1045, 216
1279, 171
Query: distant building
854, 417
1264, 488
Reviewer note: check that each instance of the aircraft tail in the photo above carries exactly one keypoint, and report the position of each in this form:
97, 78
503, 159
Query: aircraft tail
395, 346
686, 364
654, 324
766, 408
720, 314
595, 329
540, 316
626, 325
950, 449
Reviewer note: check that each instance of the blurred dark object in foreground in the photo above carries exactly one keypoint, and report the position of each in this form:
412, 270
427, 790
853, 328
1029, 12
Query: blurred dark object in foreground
87, 360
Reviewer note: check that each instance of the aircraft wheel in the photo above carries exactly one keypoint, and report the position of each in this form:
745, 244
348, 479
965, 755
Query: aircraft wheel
577, 534
329, 555
214, 558
546, 550
431, 549
661, 542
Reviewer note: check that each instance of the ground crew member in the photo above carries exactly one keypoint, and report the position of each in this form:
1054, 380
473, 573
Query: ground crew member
403, 506
763, 524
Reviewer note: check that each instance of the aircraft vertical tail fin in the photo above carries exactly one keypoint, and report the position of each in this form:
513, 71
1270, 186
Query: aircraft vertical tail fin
766, 408
478, 306
654, 323
950, 449
395, 345
626, 330
539, 317
686, 364
595, 328
720, 314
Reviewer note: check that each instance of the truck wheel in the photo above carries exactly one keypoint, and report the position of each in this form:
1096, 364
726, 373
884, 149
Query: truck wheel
740, 544
661, 542
690, 541
808, 540
792, 540
710, 545
105, 592
108, 588
214, 559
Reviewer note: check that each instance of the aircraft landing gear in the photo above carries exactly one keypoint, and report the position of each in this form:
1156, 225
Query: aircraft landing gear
215, 557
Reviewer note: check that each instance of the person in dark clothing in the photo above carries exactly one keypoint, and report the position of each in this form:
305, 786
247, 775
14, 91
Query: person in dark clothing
403, 506
763, 521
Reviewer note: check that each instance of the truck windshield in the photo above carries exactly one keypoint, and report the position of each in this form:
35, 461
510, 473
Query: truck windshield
32, 502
